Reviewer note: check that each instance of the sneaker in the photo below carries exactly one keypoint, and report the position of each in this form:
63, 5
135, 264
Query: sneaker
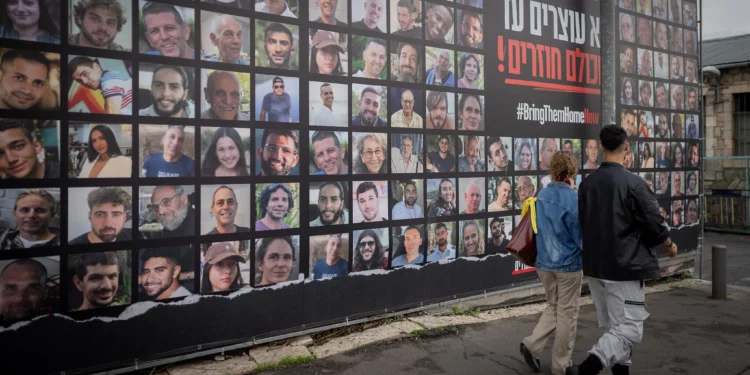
620, 370
572, 370
530, 360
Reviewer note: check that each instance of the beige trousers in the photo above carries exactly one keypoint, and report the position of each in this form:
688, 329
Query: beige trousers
563, 291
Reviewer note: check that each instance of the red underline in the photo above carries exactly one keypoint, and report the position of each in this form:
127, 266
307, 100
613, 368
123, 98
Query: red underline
553, 87
526, 270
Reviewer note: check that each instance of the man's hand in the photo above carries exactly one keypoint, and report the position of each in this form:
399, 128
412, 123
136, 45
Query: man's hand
672, 250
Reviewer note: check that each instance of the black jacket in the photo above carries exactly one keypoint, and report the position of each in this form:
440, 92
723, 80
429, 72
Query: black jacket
621, 225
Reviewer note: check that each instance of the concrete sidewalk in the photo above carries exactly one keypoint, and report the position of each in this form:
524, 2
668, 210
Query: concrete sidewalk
687, 333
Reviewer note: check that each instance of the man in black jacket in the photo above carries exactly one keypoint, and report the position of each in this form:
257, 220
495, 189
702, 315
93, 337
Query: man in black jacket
621, 225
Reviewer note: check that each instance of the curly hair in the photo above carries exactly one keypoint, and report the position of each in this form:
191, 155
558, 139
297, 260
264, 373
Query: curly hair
265, 197
563, 166
379, 257
114, 6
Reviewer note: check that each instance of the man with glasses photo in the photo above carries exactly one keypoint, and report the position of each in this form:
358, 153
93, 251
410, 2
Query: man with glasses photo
277, 152
277, 105
470, 31
171, 209
406, 117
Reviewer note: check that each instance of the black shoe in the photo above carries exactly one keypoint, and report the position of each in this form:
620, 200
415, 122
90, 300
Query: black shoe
590, 366
620, 370
530, 360
572, 370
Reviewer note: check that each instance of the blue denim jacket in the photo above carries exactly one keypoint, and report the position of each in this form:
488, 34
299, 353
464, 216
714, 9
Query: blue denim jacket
558, 239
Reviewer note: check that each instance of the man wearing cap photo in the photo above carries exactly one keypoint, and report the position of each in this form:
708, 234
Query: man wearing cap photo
221, 269
224, 206
277, 105
160, 274
374, 9
325, 55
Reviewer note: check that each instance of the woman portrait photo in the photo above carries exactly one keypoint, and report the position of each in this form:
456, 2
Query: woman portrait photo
441, 197
227, 153
471, 112
370, 249
627, 95
103, 155
30, 20
646, 155
328, 53
524, 155
678, 155
276, 259
221, 268
371, 153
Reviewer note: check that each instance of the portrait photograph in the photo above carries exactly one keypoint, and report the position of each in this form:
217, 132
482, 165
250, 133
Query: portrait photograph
675, 11
100, 85
329, 256
645, 93
276, 98
678, 184
166, 273
694, 154
232, 4
471, 237
691, 77
103, 24
407, 199
661, 65
661, 35
627, 4
678, 155
644, 7
645, 124
526, 187
691, 42
441, 110
370, 154
37, 146
441, 154
407, 108
644, 32
442, 240
441, 69
663, 154
525, 154
370, 201
277, 152
277, 206
284, 8
678, 97
500, 193
678, 119
661, 125
660, 9
18, 230
627, 59
692, 183
645, 62
40, 18
692, 126
166, 30
470, 71
663, 183
276, 260
407, 61
35, 280
225, 152
105, 150
328, 152
675, 39
166, 211
441, 198
369, 57
369, 15
225, 266
499, 154
678, 214
676, 68
370, 249
328, 52
369, 105
166, 90
472, 195
649, 178
226, 209
103, 214
166, 151
573, 146
592, 157
408, 245
630, 161
225, 95
646, 151
627, 26
471, 112
329, 12
470, 28
440, 23
406, 18
470, 158
693, 211
329, 104
99, 280
225, 38
276, 45
547, 148
499, 234
328, 203
406, 153
689, 13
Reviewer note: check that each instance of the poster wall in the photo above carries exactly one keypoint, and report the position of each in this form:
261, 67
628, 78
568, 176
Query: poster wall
175, 166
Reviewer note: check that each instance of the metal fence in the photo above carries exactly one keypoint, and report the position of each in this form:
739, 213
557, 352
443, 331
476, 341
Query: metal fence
727, 211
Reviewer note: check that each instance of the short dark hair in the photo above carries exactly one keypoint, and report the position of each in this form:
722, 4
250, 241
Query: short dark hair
568, 142
613, 137
265, 197
151, 7
180, 70
440, 225
108, 258
410, 182
261, 250
335, 184
401, 46
505, 179
24, 125
414, 227
34, 56
79, 61
114, 195
368, 89
467, 13
406, 4
325, 134
278, 28
114, 6
365, 186
443, 136
377, 41
496, 220
168, 253
283, 133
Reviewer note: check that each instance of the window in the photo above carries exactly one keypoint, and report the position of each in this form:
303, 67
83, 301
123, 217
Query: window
742, 124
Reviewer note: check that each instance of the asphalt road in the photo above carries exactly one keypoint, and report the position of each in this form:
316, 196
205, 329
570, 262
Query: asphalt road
738, 257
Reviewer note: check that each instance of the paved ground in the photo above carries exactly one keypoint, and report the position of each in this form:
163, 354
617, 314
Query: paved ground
687, 333
738, 257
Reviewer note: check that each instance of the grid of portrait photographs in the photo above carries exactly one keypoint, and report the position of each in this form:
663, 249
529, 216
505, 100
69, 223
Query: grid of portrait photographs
659, 101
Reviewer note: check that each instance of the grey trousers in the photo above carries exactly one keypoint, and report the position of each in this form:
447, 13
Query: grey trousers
563, 291
621, 310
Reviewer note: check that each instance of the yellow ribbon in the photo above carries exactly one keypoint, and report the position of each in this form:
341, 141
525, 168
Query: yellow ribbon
530, 204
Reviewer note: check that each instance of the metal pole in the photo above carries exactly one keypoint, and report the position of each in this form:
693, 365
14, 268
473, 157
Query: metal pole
702, 162
719, 272
608, 17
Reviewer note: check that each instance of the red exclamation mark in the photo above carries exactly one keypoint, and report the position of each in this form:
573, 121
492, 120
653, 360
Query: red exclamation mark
500, 53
